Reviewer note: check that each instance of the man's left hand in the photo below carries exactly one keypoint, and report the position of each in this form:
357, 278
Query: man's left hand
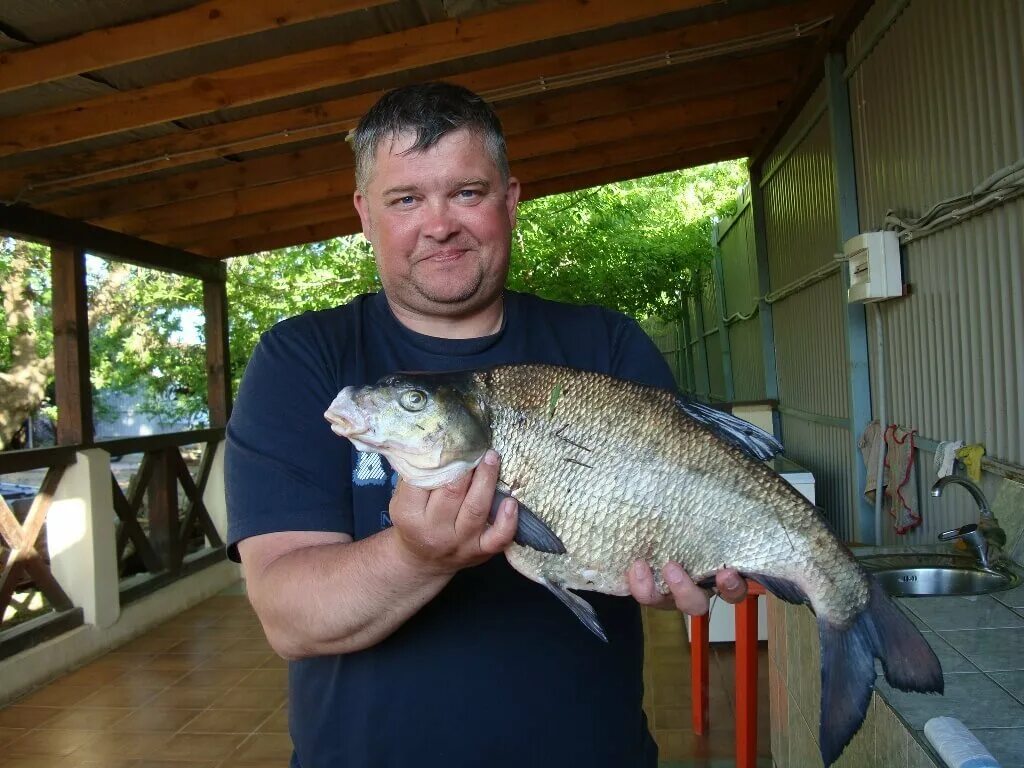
684, 595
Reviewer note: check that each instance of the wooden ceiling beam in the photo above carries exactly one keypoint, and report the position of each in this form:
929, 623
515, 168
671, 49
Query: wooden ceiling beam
653, 120
40, 226
253, 173
625, 149
207, 22
158, 221
348, 225
35, 181
737, 77
311, 233
334, 65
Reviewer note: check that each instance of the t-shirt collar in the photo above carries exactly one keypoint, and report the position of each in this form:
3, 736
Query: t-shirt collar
441, 346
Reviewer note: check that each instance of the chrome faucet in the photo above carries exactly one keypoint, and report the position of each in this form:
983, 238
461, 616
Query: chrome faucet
984, 536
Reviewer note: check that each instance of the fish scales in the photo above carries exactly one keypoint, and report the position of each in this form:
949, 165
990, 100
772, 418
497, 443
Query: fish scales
621, 474
608, 472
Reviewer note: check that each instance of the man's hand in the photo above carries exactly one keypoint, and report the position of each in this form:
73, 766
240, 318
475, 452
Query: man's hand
446, 529
684, 595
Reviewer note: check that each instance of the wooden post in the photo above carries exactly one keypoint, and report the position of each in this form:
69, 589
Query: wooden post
218, 356
71, 346
162, 496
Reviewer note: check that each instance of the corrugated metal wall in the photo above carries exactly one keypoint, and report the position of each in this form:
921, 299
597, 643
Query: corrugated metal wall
938, 106
739, 268
810, 341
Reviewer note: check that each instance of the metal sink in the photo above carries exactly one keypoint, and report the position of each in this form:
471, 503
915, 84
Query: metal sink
933, 574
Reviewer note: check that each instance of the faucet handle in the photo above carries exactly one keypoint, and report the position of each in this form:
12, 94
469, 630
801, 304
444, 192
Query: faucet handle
970, 535
963, 532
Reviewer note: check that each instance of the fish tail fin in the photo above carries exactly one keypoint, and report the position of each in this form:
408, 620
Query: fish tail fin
848, 656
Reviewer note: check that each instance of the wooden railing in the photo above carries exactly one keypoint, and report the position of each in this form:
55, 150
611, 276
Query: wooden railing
170, 531
165, 541
23, 555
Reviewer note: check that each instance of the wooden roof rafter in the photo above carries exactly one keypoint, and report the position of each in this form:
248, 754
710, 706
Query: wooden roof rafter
588, 90
208, 22
700, 41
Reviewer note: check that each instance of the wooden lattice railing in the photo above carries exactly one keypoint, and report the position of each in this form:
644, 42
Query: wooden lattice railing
163, 541
25, 565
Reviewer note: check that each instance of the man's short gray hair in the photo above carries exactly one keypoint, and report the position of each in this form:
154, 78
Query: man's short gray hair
430, 110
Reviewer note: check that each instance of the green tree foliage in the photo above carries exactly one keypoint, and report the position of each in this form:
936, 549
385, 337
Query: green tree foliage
631, 246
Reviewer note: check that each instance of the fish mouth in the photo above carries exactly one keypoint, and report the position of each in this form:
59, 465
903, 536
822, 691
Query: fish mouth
344, 415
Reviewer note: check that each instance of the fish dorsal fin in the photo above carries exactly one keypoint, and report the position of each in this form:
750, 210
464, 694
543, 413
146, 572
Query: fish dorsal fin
753, 441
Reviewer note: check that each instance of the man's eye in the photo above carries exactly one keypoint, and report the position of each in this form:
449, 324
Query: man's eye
407, 200
469, 194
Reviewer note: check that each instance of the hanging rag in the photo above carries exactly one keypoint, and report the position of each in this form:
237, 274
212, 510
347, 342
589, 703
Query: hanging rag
901, 485
970, 457
945, 457
870, 443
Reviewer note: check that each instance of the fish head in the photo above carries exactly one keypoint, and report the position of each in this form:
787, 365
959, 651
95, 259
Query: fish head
432, 428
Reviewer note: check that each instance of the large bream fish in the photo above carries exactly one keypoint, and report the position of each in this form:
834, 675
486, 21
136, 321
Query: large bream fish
607, 472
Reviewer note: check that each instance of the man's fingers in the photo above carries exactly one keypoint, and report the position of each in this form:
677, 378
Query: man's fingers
641, 584
731, 586
476, 506
689, 598
497, 537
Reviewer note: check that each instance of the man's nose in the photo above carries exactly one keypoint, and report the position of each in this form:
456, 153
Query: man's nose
441, 222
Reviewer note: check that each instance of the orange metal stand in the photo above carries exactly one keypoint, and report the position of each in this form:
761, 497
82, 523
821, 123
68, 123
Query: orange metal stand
699, 673
746, 676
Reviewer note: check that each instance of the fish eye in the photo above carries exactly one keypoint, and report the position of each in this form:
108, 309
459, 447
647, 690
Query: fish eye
413, 400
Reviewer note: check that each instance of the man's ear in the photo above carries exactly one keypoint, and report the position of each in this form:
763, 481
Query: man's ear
512, 200
363, 209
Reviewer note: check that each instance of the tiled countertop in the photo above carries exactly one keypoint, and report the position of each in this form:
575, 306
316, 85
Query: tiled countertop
980, 643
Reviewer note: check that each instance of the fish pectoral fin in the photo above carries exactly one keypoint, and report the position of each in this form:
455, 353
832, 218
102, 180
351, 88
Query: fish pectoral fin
584, 611
531, 531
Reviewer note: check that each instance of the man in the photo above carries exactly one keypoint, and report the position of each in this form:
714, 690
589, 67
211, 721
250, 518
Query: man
411, 643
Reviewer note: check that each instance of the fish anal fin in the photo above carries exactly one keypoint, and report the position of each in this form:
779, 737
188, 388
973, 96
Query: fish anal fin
531, 531
583, 610
781, 588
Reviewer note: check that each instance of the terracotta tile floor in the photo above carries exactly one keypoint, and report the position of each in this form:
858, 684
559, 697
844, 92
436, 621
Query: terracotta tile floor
205, 691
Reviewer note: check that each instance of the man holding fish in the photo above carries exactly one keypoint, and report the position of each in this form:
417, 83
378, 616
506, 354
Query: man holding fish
410, 642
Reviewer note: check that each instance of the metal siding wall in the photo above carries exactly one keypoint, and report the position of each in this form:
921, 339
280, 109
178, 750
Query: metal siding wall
739, 264
955, 363
810, 340
825, 450
800, 209
952, 116
810, 350
713, 340
747, 360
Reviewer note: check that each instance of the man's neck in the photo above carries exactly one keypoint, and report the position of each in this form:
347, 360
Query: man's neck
483, 322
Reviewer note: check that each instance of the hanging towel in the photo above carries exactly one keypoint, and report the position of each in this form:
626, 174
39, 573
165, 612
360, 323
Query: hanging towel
901, 482
970, 457
945, 457
870, 443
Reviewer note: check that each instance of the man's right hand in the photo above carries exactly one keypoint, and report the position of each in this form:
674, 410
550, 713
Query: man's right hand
444, 530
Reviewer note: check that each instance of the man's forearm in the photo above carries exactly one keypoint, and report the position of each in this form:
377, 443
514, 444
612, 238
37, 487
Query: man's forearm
339, 597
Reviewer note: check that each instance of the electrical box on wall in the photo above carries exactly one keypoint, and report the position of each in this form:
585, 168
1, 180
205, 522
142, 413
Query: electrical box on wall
874, 259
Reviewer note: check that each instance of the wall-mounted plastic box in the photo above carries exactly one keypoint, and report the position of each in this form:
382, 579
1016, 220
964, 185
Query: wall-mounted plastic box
874, 260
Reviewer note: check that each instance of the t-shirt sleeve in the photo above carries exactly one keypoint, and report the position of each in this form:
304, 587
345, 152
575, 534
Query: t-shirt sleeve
284, 468
635, 357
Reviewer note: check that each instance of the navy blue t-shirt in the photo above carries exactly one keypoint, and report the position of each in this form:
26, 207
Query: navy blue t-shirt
494, 671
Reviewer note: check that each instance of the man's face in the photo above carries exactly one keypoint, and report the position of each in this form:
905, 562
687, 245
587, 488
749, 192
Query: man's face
440, 222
